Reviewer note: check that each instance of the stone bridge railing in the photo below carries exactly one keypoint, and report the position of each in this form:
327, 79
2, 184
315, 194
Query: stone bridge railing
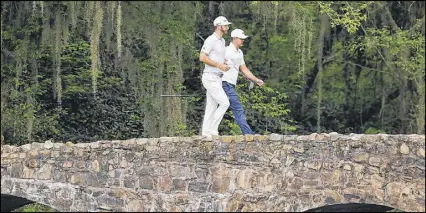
228, 173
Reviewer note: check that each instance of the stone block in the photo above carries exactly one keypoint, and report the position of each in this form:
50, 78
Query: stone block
28, 173
135, 206
421, 152
358, 167
67, 164
404, 149
249, 138
361, 157
48, 144
179, 171
374, 161
198, 186
347, 167
95, 166
146, 182
25, 147
244, 179
179, 185
227, 139
164, 183
33, 153
33, 163
130, 182
221, 185
315, 165
275, 137
299, 149
94, 145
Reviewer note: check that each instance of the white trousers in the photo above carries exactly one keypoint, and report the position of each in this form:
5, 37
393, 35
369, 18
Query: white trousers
215, 96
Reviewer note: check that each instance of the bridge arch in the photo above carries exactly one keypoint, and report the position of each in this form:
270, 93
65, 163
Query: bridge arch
228, 173
352, 207
10, 203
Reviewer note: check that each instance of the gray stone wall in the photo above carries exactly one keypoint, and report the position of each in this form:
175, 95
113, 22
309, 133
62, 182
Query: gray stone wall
228, 173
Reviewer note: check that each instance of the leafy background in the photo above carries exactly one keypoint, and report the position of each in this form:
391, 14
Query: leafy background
88, 70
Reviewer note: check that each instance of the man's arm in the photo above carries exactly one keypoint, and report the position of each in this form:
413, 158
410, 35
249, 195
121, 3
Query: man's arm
250, 75
205, 59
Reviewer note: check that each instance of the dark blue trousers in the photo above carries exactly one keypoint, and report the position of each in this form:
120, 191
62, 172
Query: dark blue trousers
237, 108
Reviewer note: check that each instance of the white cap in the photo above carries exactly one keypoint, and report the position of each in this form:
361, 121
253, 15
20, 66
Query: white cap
219, 21
237, 33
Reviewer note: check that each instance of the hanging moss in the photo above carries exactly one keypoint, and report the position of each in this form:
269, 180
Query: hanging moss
34, 8
30, 116
65, 29
73, 14
94, 44
303, 46
46, 30
57, 53
90, 6
41, 8
112, 6
119, 46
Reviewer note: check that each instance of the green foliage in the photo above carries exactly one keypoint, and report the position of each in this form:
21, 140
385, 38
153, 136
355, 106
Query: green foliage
349, 14
35, 207
395, 210
266, 110
373, 74
372, 130
397, 43
234, 129
183, 131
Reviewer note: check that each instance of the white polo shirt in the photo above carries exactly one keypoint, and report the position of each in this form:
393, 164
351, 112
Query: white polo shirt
235, 58
215, 48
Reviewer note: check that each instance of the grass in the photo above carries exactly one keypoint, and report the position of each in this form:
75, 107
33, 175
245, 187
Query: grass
35, 207
395, 210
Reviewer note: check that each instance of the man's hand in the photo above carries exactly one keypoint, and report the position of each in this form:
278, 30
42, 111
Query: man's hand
223, 67
259, 82
204, 57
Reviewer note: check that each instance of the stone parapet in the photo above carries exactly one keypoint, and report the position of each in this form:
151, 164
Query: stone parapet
224, 173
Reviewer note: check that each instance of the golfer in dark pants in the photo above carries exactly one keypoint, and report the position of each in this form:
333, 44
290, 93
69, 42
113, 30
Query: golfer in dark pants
234, 58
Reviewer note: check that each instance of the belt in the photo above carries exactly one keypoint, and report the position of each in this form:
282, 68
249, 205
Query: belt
220, 74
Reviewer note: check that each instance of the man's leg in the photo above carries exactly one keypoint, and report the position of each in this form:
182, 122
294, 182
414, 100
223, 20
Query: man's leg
237, 108
211, 106
213, 85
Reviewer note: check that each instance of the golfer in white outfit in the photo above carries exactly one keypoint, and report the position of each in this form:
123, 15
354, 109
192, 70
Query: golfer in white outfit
213, 56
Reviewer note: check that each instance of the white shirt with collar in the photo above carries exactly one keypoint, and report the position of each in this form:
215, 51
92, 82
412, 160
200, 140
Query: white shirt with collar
214, 46
235, 58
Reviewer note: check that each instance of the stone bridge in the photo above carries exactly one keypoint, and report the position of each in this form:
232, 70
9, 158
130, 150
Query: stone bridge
227, 173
